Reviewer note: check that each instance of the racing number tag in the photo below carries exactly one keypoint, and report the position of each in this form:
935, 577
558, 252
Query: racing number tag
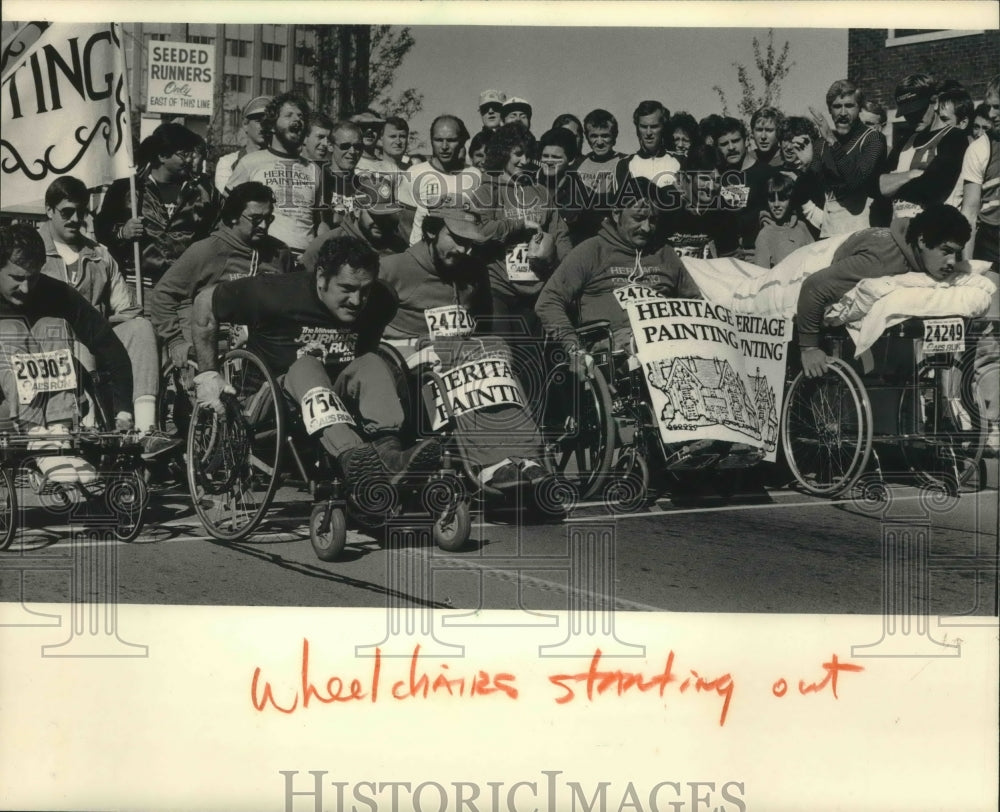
944, 335
321, 408
634, 293
735, 196
518, 269
449, 320
43, 372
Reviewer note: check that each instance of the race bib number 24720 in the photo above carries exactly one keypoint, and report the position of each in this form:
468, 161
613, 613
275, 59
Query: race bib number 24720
39, 372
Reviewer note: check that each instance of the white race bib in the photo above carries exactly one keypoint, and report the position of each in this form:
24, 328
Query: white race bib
944, 335
735, 196
321, 408
634, 293
518, 269
43, 372
449, 320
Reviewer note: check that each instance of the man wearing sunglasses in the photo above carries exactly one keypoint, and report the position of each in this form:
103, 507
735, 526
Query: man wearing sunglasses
340, 178
240, 247
89, 268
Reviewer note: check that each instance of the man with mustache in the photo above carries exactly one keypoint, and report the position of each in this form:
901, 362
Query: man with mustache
850, 162
318, 332
238, 248
294, 180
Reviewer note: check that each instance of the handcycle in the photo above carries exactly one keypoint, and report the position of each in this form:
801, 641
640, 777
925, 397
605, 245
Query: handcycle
897, 408
602, 432
235, 462
119, 497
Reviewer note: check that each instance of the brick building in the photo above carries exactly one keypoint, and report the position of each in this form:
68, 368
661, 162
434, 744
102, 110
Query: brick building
878, 58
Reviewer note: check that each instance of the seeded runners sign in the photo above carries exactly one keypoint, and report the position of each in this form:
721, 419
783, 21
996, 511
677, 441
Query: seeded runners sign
180, 78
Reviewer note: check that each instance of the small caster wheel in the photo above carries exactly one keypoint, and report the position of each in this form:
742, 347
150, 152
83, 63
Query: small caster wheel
452, 528
127, 497
327, 542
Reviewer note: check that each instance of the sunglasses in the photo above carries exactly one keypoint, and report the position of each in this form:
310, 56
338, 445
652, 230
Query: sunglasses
258, 219
68, 212
356, 146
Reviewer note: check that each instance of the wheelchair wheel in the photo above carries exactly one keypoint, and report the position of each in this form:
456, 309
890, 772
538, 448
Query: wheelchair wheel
941, 418
826, 430
8, 508
452, 529
579, 428
630, 489
234, 459
327, 531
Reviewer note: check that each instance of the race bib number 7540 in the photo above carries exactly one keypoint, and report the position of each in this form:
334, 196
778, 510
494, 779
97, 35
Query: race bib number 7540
43, 372
321, 408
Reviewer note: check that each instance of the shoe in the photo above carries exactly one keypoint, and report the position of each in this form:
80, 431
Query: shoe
505, 478
693, 455
741, 455
533, 471
64, 470
155, 443
386, 456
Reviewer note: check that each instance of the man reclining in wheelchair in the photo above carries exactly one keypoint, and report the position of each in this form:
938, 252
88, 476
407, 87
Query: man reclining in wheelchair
443, 294
319, 332
623, 263
40, 317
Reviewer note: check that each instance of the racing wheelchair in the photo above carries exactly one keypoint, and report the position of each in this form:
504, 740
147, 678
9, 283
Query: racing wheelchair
603, 435
903, 407
117, 500
235, 462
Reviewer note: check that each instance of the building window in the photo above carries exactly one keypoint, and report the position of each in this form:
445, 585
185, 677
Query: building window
911, 36
157, 37
200, 40
303, 55
237, 47
271, 87
239, 84
233, 119
272, 51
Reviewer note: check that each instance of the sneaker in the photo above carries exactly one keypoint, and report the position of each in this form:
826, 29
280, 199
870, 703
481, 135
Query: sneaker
741, 455
505, 478
693, 455
155, 443
64, 470
386, 456
533, 471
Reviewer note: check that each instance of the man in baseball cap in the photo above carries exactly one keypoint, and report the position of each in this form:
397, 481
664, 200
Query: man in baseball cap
491, 108
517, 109
253, 114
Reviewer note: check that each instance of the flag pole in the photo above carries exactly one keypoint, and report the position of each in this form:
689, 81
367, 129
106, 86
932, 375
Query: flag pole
136, 255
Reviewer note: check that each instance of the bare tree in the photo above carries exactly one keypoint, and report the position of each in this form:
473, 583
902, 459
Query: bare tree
773, 67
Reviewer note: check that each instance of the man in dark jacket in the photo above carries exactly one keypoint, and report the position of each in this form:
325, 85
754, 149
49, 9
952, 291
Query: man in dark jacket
173, 208
239, 247
39, 318
931, 242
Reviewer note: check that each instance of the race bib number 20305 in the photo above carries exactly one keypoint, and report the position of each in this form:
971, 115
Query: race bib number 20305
39, 372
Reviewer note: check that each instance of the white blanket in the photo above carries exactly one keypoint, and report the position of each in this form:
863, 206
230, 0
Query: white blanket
869, 309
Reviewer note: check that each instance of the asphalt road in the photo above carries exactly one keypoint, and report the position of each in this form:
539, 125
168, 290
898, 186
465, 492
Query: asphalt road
768, 551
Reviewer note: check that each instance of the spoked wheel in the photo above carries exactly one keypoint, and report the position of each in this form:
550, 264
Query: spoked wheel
941, 415
579, 427
327, 531
234, 459
8, 508
826, 430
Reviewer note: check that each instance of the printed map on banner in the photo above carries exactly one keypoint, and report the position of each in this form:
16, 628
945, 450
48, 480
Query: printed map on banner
712, 374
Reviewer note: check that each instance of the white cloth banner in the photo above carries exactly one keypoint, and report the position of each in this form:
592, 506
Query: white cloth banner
64, 110
479, 384
712, 374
